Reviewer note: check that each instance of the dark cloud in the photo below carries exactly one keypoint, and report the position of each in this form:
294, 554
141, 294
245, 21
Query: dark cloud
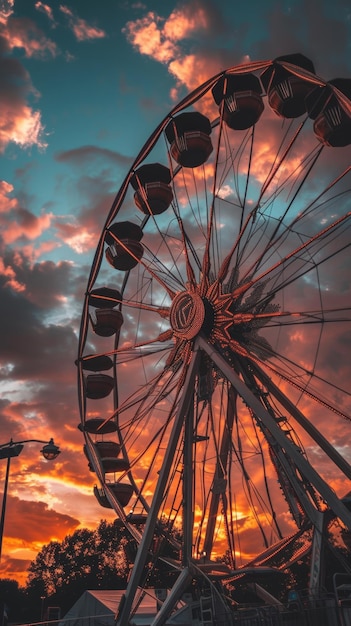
309, 28
45, 282
87, 154
37, 348
14, 78
22, 521
12, 566
218, 25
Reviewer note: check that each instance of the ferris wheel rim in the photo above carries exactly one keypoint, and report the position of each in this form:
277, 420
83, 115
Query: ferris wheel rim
198, 300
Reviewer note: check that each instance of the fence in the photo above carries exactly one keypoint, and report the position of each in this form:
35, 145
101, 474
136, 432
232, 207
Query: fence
326, 614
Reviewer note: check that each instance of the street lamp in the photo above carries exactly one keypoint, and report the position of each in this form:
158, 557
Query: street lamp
14, 448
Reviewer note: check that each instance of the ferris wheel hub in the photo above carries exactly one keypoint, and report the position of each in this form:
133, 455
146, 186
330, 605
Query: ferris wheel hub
187, 315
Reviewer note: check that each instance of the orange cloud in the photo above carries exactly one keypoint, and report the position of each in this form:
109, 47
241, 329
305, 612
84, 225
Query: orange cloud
182, 23
23, 540
148, 38
21, 125
191, 70
56, 526
156, 37
160, 39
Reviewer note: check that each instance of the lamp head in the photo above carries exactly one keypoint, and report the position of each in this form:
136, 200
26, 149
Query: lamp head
11, 450
50, 451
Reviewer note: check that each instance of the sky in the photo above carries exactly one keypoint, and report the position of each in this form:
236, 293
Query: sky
82, 86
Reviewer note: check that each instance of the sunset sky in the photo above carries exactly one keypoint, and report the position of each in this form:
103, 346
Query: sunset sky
82, 86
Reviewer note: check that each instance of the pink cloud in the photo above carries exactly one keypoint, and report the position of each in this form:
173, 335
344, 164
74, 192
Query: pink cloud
23, 33
27, 225
6, 10
10, 277
44, 8
43, 248
81, 29
79, 238
6, 204
19, 123
66, 10
20, 225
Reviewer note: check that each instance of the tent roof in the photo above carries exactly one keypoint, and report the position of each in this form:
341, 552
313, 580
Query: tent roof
108, 598
104, 605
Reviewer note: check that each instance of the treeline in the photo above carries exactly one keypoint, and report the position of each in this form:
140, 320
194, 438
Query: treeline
87, 559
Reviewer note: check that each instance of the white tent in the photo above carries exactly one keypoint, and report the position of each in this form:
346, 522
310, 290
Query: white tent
98, 608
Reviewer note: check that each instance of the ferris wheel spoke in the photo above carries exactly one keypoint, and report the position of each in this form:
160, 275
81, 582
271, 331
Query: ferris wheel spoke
274, 239
293, 255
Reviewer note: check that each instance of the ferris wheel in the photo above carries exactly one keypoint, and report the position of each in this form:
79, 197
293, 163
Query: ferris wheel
212, 365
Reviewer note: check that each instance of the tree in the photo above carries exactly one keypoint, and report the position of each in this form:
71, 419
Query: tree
99, 559
11, 601
84, 560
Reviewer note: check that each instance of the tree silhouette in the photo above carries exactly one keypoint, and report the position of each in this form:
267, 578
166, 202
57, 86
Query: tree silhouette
99, 559
87, 559
12, 600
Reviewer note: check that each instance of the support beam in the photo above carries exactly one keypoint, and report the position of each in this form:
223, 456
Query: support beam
219, 473
306, 469
126, 604
182, 583
310, 428
188, 486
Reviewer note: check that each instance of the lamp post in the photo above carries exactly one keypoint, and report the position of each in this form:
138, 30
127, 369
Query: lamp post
14, 448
